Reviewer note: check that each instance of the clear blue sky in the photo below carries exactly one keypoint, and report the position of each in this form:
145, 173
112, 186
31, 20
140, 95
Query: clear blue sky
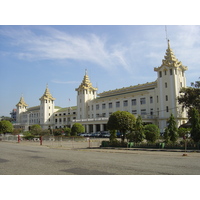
115, 57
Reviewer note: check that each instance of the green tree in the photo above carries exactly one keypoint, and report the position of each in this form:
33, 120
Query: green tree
77, 128
182, 132
6, 127
137, 133
67, 131
122, 121
35, 129
152, 132
45, 132
28, 135
17, 131
166, 135
190, 97
195, 125
6, 119
113, 136
57, 131
171, 132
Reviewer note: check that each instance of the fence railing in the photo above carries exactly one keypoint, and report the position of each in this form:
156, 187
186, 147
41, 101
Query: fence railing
57, 141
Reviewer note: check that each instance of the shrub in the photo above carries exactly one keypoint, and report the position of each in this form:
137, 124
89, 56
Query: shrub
151, 132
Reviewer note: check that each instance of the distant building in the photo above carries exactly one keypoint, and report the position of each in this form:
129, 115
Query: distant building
13, 115
154, 101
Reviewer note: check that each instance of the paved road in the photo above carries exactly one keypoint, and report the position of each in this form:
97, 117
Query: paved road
18, 159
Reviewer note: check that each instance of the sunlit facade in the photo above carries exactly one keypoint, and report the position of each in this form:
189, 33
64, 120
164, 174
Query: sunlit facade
154, 101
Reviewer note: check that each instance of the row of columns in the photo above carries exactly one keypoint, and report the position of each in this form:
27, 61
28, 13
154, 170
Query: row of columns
92, 128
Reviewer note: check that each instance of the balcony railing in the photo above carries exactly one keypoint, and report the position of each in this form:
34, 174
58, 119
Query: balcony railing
91, 119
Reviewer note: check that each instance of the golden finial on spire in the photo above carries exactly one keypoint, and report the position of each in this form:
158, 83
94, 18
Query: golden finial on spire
168, 43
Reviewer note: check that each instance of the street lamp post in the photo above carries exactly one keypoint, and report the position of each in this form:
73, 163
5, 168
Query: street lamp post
185, 138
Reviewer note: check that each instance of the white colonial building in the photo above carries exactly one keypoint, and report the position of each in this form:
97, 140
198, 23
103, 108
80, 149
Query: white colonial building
154, 101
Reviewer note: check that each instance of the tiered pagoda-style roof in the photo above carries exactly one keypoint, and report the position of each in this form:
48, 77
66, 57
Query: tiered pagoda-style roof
22, 103
47, 95
86, 84
170, 60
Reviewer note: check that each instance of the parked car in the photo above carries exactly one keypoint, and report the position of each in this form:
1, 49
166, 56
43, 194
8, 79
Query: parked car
83, 134
105, 134
97, 134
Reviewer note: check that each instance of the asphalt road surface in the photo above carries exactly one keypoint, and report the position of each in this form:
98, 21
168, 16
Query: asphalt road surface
19, 159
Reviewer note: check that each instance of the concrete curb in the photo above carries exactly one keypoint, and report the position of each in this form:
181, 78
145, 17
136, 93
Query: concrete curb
146, 149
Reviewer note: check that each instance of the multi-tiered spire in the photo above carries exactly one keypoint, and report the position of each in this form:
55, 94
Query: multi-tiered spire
170, 60
22, 103
47, 95
86, 84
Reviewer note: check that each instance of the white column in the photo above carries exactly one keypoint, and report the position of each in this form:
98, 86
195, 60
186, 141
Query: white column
101, 127
87, 128
94, 128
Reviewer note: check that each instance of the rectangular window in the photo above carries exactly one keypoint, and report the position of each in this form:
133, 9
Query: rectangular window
160, 73
166, 97
133, 102
126, 103
142, 101
151, 99
110, 105
134, 112
167, 109
165, 85
171, 72
103, 106
143, 112
97, 107
117, 104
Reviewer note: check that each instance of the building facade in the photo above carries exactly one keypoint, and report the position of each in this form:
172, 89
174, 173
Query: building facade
154, 101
